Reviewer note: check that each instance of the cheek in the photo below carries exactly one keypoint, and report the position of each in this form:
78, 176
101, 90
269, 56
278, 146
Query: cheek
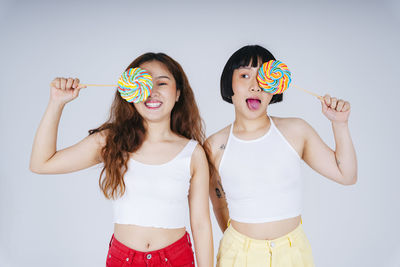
236, 86
238, 99
239, 96
140, 108
169, 96
267, 97
238, 89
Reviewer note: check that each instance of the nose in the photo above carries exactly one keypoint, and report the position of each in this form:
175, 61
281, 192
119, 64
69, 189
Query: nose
154, 91
254, 87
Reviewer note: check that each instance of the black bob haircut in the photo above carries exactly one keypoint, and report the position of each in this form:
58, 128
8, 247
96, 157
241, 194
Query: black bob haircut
250, 54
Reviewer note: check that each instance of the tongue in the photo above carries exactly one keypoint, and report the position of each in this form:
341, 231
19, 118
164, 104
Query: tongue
253, 104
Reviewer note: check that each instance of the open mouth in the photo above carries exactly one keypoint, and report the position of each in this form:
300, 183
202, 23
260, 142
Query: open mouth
253, 103
153, 104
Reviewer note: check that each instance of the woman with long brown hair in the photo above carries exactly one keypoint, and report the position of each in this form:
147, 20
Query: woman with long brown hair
153, 166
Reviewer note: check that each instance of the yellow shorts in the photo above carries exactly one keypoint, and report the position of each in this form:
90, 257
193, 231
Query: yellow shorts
238, 250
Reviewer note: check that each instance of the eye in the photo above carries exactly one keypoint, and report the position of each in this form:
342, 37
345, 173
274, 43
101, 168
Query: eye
244, 76
160, 84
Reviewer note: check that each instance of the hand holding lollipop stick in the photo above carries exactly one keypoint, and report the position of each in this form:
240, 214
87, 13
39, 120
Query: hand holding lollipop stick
134, 85
275, 77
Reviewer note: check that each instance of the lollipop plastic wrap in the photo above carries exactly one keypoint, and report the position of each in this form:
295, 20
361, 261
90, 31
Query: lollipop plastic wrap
274, 77
135, 85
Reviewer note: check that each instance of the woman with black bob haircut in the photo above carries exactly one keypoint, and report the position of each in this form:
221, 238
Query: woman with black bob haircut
255, 165
243, 57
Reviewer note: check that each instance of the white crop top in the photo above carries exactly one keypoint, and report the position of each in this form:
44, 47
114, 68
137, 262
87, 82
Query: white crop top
261, 178
156, 195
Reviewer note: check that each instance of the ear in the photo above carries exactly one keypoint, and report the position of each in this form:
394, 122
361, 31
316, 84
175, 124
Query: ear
178, 94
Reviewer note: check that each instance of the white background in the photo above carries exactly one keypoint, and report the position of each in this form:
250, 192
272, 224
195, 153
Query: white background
346, 48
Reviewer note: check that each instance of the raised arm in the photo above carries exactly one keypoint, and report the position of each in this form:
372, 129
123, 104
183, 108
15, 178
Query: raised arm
45, 158
339, 165
199, 209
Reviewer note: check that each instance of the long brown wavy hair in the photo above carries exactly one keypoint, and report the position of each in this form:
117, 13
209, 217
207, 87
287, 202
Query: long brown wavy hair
125, 130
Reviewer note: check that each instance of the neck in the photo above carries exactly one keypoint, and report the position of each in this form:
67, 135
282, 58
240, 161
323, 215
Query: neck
250, 125
158, 131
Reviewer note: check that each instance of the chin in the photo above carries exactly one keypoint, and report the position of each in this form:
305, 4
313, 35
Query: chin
154, 118
255, 115
252, 115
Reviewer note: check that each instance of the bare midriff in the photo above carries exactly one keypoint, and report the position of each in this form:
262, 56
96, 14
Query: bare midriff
268, 230
146, 238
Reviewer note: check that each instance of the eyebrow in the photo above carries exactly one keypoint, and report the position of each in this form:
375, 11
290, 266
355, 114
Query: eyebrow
160, 77
245, 67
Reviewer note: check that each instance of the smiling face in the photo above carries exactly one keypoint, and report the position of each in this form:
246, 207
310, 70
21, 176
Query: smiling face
248, 98
164, 94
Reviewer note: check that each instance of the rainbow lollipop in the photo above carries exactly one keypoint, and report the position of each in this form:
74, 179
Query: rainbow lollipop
274, 77
135, 85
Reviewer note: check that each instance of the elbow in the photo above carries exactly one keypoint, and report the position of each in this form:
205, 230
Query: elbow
201, 227
349, 180
353, 180
200, 223
35, 168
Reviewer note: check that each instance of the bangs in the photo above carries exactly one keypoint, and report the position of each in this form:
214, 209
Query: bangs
252, 56
248, 56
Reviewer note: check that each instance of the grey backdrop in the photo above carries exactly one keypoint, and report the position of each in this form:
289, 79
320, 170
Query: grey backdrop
346, 48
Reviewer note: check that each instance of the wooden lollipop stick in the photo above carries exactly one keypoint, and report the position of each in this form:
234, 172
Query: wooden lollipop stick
100, 85
308, 92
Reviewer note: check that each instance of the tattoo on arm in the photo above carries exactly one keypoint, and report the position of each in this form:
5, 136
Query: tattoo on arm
219, 187
218, 191
338, 162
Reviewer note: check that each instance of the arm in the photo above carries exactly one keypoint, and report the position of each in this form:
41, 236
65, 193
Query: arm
199, 209
217, 193
45, 159
339, 165
218, 200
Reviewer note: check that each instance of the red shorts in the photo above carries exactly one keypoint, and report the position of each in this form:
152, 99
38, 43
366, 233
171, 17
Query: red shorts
179, 253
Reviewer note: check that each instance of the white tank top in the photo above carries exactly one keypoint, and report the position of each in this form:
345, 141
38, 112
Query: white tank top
156, 195
261, 178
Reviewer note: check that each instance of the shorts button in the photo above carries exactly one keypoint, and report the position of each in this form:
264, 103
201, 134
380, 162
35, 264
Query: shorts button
127, 259
148, 256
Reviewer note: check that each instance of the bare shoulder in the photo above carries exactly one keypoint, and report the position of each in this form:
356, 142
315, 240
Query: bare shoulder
199, 152
217, 141
199, 160
178, 141
291, 124
99, 138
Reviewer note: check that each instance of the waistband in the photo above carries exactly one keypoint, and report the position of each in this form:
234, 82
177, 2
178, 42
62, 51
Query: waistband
161, 254
283, 241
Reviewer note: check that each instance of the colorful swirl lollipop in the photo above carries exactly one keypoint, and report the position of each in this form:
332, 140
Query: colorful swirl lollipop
135, 85
274, 77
